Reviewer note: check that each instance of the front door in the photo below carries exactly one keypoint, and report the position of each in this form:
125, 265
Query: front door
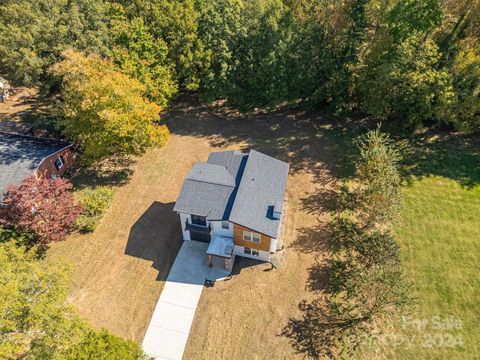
200, 236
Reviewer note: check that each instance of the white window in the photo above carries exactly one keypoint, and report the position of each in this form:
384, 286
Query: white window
225, 225
251, 236
59, 163
249, 251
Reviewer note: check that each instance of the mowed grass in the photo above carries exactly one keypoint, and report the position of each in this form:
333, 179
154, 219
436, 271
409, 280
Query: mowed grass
440, 240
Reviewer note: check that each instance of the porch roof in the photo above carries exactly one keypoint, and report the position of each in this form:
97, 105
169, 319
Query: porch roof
221, 246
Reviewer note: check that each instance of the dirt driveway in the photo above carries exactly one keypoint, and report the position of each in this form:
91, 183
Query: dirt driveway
120, 269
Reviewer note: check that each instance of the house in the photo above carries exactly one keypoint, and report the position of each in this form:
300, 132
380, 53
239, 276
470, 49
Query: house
235, 202
22, 156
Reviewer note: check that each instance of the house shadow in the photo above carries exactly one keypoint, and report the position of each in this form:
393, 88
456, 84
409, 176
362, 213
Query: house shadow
242, 263
156, 237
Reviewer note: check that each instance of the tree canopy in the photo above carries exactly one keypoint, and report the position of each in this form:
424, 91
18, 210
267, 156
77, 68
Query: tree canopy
34, 34
411, 62
378, 192
105, 111
37, 323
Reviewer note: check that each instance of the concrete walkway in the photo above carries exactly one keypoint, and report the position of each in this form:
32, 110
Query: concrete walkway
168, 330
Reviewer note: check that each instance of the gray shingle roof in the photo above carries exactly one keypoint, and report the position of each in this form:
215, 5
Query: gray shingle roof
259, 185
262, 186
209, 188
203, 199
21, 155
214, 174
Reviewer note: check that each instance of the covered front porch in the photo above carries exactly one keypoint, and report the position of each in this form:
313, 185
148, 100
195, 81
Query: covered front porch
220, 257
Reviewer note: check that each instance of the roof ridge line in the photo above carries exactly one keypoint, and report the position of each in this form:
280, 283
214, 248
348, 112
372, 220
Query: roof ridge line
208, 182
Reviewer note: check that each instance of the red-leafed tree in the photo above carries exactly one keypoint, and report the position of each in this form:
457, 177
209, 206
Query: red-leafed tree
44, 207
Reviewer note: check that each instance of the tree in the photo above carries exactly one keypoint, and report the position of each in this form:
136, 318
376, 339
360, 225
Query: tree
35, 32
138, 54
37, 323
404, 84
176, 23
44, 207
466, 80
252, 67
105, 110
31, 303
376, 248
372, 291
378, 193
104, 345
219, 24
412, 17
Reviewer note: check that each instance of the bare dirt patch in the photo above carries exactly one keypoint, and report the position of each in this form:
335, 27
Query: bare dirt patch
23, 107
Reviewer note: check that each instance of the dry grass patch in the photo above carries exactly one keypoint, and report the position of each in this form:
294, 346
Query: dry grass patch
119, 269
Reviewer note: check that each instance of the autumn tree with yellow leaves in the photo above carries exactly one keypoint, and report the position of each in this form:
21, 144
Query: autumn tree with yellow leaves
105, 111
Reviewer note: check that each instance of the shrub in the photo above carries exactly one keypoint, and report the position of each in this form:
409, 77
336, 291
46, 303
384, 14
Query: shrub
43, 207
104, 345
95, 202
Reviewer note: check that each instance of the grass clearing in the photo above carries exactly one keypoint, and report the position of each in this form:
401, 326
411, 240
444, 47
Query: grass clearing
439, 236
439, 240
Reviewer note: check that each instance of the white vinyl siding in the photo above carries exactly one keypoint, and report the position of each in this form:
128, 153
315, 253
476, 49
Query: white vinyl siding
217, 228
252, 252
257, 255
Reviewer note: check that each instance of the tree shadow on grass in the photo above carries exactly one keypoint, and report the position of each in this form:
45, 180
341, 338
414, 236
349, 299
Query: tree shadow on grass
319, 278
441, 153
294, 136
316, 333
25, 106
156, 236
312, 240
110, 172
324, 200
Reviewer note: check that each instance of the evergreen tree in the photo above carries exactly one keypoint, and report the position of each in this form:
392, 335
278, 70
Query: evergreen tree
378, 192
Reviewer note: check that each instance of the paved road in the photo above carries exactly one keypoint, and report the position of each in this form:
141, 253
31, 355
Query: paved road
168, 330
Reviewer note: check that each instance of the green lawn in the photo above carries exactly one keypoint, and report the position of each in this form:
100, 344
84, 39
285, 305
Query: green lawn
439, 235
440, 240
